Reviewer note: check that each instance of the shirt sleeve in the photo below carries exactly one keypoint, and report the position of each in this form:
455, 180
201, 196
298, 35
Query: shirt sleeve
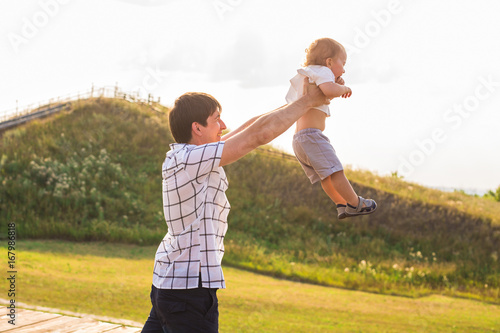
318, 74
322, 75
203, 159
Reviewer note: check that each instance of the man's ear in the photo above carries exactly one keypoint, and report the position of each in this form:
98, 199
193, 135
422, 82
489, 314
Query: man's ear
195, 128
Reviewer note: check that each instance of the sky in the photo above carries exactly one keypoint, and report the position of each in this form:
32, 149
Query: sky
425, 75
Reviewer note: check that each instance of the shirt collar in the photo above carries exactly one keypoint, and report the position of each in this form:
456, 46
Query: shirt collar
177, 146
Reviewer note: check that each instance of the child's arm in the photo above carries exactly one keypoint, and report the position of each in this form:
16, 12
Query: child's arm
333, 90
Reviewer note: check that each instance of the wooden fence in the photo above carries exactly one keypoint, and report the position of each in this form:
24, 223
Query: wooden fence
17, 116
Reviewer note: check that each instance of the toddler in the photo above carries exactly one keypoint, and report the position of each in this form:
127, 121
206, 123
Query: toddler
324, 66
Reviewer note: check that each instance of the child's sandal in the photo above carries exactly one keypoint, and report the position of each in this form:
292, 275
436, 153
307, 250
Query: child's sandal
369, 207
341, 211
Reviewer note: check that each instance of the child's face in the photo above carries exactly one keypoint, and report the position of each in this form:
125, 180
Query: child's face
337, 64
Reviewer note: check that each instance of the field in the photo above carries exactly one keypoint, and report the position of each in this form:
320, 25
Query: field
84, 190
114, 280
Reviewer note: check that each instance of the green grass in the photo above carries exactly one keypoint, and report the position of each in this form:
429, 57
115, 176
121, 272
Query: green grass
93, 173
114, 280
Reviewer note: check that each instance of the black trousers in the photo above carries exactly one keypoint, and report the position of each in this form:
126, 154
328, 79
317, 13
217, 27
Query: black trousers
183, 310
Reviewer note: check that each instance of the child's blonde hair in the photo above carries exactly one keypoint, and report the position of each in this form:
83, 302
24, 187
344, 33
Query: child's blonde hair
322, 49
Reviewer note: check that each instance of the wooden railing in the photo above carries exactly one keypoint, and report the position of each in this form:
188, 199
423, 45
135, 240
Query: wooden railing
17, 116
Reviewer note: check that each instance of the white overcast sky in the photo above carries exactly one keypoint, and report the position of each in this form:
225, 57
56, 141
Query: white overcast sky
425, 74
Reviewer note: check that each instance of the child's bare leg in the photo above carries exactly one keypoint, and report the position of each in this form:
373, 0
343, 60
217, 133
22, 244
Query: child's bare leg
341, 187
344, 188
339, 201
329, 189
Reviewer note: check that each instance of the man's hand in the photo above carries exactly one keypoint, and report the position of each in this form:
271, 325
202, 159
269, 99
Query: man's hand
270, 125
314, 94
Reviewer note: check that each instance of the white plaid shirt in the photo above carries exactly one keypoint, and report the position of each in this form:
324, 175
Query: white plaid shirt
195, 208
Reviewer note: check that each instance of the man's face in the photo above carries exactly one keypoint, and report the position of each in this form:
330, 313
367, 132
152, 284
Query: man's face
213, 131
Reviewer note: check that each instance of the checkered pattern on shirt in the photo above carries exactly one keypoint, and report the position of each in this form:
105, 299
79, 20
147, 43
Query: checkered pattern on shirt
195, 208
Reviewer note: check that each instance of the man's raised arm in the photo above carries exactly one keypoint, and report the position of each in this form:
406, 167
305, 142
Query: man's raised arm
269, 126
246, 124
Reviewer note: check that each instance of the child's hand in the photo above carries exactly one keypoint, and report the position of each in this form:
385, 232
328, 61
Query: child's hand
340, 81
348, 93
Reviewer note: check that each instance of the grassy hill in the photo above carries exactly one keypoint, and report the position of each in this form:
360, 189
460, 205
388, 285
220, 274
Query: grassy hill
92, 173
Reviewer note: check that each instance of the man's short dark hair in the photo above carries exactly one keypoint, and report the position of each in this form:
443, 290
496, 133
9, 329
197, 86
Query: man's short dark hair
189, 108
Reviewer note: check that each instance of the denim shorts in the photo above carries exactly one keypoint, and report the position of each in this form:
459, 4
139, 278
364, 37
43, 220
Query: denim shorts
315, 154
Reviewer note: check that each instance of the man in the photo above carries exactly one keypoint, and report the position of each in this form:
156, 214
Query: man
187, 270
